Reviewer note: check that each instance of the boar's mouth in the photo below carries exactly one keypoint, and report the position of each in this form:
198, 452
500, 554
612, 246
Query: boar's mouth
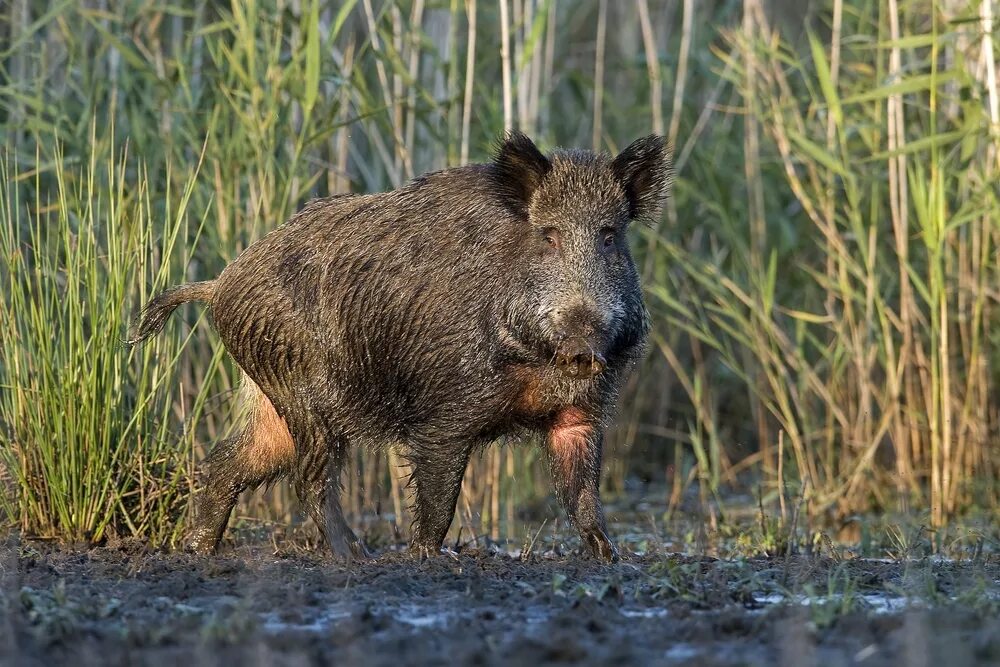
577, 358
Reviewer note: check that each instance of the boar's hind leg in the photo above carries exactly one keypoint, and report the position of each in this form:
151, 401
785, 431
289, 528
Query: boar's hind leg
318, 487
437, 478
260, 453
574, 453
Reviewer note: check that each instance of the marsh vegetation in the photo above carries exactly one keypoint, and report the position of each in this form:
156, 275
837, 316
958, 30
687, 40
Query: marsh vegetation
823, 283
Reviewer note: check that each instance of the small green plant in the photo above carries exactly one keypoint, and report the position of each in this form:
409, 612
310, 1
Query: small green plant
839, 598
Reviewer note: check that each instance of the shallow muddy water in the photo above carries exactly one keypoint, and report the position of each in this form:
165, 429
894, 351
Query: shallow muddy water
127, 604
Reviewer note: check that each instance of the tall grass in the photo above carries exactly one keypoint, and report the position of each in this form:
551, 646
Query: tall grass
867, 347
822, 284
92, 443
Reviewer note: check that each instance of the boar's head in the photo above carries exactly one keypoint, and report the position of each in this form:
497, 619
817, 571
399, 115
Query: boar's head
579, 299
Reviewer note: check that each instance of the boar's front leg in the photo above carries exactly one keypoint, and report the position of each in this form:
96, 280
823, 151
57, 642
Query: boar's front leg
574, 447
437, 479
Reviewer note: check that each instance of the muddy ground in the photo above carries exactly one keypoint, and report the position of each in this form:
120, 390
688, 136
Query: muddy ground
258, 603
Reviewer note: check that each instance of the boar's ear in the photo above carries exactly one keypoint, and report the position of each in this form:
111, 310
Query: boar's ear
645, 171
518, 168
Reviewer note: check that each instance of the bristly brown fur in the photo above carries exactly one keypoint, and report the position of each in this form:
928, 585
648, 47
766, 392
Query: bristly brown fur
470, 304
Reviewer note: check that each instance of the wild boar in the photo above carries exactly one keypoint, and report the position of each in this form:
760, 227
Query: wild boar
484, 301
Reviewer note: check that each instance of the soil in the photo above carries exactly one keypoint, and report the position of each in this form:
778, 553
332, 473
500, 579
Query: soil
255, 603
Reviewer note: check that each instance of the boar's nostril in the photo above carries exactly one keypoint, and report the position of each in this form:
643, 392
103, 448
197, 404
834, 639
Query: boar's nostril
576, 358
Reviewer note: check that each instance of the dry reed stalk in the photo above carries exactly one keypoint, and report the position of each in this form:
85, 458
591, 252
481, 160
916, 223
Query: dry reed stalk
508, 102
680, 77
390, 103
520, 12
469, 521
781, 474
751, 128
680, 81
985, 235
511, 493
534, 80
493, 493
944, 351
652, 67
990, 67
399, 128
340, 181
602, 25
546, 82
755, 199
396, 490
446, 88
413, 53
908, 443
676, 482
470, 73
370, 490
704, 116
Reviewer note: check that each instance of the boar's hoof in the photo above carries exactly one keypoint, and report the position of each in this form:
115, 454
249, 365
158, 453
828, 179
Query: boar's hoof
201, 544
422, 552
577, 359
354, 553
601, 546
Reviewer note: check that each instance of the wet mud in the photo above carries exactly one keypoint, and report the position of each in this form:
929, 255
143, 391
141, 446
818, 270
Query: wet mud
255, 603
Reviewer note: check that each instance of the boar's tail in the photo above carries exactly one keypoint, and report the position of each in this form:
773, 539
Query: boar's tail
156, 312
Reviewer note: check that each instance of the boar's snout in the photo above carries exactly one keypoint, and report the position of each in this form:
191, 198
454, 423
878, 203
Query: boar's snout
579, 350
576, 358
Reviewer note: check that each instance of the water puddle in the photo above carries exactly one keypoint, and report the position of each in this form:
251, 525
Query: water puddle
421, 617
682, 652
272, 622
649, 612
876, 603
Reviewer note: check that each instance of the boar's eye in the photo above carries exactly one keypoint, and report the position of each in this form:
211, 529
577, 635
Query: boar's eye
551, 238
607, 238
